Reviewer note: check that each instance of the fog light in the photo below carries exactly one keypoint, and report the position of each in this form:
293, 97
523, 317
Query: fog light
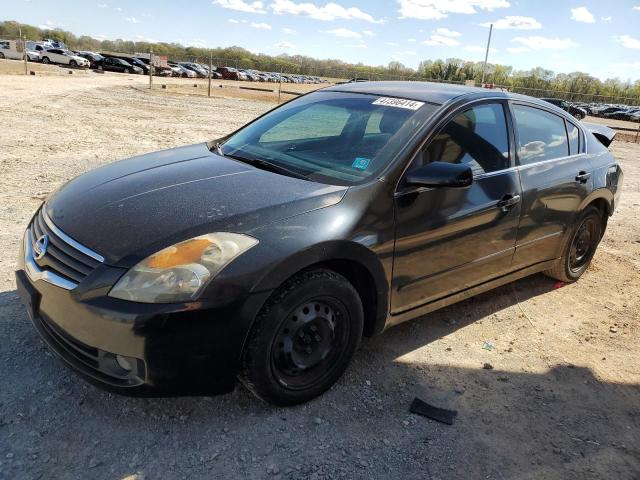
124, 363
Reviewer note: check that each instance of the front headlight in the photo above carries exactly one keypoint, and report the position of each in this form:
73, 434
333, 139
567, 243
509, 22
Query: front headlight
180, 272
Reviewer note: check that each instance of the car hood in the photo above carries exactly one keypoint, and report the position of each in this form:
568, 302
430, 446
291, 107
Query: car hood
130, 209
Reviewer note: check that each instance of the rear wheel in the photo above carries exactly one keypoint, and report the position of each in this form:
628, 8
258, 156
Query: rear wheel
1, 55
45, 60
580, 248
578, 115
303, 338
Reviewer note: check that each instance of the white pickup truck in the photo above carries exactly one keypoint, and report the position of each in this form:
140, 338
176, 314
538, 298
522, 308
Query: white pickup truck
9, 49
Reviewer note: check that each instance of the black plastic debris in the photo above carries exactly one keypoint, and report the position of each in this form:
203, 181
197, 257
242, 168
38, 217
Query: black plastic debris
434, 413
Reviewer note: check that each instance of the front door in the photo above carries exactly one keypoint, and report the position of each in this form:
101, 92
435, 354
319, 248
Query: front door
449, 239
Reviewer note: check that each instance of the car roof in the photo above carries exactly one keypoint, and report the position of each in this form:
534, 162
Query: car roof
431, 92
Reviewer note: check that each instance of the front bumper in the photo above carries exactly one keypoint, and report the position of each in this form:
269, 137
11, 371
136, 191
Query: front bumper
168, 349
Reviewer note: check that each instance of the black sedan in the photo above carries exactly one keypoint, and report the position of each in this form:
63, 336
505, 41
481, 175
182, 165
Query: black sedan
266, 255
114, 64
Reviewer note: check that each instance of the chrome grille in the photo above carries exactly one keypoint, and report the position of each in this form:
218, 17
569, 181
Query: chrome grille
64, 258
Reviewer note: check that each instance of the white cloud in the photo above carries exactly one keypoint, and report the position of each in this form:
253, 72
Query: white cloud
582, 14
441, 41
517, 50
405, 53
411, 40
628, 41
543, 43
290, 31
118, 9
344, 33
233, 20
102, 5
330, 11
287, 45
515, 22
368, 33
262, 26
437, 9
241, 5
393, 44
446, 32
636, 8
606, 19
50, 25
132, 20
356, 45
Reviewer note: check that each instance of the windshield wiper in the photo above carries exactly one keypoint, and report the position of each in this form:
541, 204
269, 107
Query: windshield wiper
271, 167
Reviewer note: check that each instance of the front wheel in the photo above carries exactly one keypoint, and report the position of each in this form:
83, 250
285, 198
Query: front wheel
580, 248
45, 60
303, 338
73, 63
578, 116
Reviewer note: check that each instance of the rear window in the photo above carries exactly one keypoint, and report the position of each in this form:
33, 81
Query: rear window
331, 137
541, 135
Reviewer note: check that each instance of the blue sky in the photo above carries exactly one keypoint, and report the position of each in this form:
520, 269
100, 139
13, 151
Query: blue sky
601, 38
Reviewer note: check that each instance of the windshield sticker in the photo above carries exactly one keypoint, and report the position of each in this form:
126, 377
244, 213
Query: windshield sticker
361, 163
399, 103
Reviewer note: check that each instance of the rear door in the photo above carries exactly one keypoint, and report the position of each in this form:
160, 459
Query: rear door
556, 177
450, 239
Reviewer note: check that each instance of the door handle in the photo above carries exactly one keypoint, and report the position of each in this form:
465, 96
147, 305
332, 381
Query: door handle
508, 201
583, 177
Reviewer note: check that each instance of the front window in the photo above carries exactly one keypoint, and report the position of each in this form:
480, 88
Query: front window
331, 137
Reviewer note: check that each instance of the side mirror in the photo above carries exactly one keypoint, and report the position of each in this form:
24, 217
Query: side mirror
441, 174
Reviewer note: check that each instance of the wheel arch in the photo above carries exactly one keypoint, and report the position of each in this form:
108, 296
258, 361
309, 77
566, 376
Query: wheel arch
602, 199
356, 263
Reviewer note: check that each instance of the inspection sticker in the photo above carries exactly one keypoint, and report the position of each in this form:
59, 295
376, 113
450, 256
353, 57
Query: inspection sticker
399, 103
361, 163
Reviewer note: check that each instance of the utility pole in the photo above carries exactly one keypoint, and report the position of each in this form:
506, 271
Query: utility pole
486, 55
151, 69
210, 67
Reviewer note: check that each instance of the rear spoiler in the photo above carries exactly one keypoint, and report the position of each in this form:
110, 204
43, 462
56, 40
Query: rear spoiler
605, 135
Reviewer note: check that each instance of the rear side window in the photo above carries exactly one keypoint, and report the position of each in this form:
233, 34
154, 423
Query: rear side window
542, 135
477, 137
574, 138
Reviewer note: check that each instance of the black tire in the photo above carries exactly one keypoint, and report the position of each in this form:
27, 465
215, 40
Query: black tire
580, 247
303, 338
578, 116
73, 63
1, 56
45, 60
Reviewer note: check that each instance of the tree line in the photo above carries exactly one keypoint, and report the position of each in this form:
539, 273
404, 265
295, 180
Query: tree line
576, 86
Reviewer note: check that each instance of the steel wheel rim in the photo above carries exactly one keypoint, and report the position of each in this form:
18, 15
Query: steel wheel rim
582, 245
309, 342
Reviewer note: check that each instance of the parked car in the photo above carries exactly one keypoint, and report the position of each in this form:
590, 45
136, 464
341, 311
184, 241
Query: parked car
267, 254
194, 67
114, 64
182, 71
229, 73
136, 62
576, 112
63, 57
92, 57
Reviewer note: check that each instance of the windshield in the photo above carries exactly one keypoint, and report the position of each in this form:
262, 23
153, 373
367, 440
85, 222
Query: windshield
331, 137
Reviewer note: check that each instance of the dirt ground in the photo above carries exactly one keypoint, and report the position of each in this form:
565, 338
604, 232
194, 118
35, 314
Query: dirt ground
562, 400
